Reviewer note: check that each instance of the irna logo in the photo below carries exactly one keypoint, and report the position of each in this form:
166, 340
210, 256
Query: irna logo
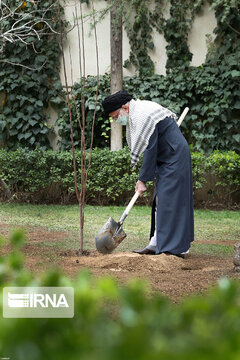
34, 300
38, 302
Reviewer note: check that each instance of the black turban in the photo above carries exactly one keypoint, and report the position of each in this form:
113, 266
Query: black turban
115, 101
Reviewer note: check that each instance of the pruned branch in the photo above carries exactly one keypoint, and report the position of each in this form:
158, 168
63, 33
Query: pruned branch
23, 66
237, 32
23, 25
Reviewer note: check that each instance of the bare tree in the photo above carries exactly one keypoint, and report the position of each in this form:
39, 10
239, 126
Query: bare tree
85, 162
26, 23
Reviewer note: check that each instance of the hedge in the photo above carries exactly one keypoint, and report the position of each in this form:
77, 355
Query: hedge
47, 176
113, 321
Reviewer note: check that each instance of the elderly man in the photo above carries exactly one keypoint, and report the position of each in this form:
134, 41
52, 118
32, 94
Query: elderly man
152, 129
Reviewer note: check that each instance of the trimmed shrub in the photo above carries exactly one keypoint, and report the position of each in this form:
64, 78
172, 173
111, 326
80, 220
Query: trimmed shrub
47, 176
226, 167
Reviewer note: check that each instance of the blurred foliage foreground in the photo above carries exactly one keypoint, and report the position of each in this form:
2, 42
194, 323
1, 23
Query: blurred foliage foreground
120, 322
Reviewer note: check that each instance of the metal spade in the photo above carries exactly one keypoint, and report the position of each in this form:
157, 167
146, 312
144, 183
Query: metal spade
112, 234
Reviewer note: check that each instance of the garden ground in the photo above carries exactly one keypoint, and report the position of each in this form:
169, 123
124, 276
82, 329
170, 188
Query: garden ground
172, 276
52, 241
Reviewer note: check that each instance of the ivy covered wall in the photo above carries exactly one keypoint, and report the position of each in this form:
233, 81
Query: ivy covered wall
143, 34
29, 71
211, 90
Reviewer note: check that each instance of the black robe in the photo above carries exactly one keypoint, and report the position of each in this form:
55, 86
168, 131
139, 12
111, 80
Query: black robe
167, 159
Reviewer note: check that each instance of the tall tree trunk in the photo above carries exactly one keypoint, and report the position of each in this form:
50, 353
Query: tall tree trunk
116, 69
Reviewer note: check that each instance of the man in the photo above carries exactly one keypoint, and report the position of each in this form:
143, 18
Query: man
152, 129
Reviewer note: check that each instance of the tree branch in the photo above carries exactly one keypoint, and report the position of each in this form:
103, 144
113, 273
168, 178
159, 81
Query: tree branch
237, 32
23, 25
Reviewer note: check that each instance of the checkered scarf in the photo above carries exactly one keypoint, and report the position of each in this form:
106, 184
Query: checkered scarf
143, 117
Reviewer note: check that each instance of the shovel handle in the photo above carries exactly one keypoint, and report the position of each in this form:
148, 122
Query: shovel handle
130, 205
132, 202
184, 113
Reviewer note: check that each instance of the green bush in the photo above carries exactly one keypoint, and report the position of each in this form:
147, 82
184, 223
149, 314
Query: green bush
47, 176
226, 167
120, 322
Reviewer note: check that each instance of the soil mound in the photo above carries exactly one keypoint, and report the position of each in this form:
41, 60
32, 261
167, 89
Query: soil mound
130, 262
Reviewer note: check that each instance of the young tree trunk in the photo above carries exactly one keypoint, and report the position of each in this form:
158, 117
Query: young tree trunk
116, 69
80, 116
6, 189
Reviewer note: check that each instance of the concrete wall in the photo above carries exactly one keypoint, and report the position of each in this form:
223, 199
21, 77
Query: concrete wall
204, 24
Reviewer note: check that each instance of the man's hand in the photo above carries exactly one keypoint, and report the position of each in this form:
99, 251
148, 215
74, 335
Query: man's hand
140, 187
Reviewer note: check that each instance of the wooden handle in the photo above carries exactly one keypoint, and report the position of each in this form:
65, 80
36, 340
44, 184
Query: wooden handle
132, 202
130, 205
184, 113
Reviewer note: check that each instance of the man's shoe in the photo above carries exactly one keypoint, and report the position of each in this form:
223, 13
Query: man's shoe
183, 255
144, 251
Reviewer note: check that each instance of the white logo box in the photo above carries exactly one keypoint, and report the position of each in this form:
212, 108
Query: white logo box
38, 302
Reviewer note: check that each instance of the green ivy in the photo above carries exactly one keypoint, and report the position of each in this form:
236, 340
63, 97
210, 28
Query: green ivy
211, 93
149, 16
140, 37
176, 29
28, 93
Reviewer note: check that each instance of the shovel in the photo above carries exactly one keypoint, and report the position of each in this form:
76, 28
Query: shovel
112, 234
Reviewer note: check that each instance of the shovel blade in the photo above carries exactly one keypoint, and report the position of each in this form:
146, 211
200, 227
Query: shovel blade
109, 237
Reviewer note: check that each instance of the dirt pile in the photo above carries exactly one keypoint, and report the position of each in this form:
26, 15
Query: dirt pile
171, 276
130, 262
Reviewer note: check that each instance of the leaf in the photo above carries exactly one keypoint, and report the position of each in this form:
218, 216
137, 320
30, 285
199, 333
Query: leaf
91, 106
32, 140
237, 138
39, 103
32, 122
56, 100
41, 58
235, 73
20, 136
237, 104
2, 125
27, 135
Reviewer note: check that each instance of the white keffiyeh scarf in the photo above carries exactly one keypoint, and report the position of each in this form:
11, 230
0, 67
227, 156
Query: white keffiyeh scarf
143, 117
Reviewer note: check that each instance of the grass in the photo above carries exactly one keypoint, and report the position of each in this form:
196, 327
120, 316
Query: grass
215, 228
